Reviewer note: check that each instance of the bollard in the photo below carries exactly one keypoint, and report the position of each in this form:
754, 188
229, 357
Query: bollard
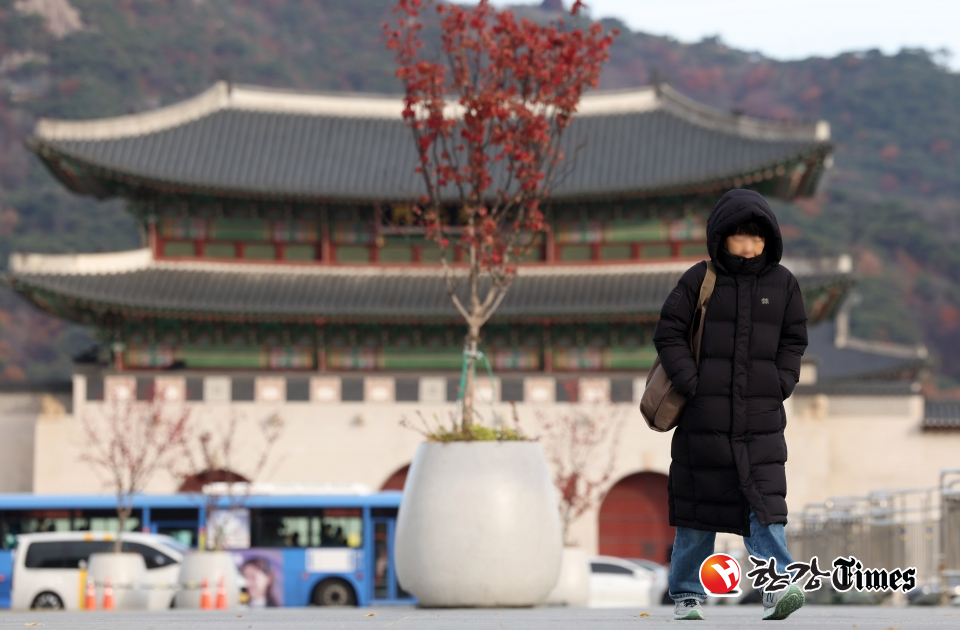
222, 594
107, 595
205, 603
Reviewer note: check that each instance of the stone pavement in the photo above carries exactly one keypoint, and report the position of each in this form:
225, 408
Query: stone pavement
808, 618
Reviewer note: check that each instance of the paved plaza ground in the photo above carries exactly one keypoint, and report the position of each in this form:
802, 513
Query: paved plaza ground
809, 618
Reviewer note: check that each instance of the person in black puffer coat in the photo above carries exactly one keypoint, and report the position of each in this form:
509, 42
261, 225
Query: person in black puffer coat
727, 472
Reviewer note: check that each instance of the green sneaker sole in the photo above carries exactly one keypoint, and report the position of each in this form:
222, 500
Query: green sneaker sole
692, 615
788, 604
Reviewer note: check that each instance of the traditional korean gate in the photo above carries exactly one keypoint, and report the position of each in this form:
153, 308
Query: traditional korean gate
634, 519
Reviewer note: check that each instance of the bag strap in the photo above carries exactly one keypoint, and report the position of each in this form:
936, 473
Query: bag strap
706, 287
706, 292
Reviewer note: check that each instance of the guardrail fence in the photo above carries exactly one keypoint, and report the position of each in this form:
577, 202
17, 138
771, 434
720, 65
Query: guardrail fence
887, 529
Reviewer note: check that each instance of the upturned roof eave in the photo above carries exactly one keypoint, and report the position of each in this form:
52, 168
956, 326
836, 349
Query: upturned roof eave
224, 96
46, 150
101, 307
38, 294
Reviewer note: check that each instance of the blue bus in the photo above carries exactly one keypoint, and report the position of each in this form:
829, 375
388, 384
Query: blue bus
301, 550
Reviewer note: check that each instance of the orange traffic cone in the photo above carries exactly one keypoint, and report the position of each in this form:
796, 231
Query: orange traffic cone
107, 595
91, 603
205, 603
222, 594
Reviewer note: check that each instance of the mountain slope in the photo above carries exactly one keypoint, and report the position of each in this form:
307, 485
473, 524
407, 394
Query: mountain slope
891, 199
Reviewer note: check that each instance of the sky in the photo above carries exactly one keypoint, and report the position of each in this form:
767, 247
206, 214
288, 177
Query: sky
794, 29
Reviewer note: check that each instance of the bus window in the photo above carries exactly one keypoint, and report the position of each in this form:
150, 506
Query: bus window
279, 528
15, 522
341, 528
104, 521
181, 524
306, 528
186, 537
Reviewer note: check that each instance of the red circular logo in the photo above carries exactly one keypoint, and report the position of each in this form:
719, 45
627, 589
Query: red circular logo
720, 574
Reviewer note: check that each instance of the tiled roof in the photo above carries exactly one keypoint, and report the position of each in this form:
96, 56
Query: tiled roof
256, 141
874, 388
371, 293
942, 414
839, 364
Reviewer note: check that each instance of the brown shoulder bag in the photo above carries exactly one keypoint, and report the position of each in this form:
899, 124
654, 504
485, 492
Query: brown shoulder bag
661, 405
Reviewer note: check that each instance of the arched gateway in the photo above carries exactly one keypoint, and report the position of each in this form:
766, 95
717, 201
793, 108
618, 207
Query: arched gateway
634, 518
397, 480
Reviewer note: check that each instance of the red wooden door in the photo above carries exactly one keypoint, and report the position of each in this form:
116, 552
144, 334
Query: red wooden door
396, 480
634, 518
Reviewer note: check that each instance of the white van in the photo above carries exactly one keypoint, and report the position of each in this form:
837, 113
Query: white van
46, 567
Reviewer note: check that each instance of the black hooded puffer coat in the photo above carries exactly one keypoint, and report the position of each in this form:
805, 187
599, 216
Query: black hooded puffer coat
728, 449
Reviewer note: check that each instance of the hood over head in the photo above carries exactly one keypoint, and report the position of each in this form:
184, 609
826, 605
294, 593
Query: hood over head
739, 206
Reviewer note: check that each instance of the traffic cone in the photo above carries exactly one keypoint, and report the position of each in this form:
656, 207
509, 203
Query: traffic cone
91, 603
107, 595
205, 603
222, 594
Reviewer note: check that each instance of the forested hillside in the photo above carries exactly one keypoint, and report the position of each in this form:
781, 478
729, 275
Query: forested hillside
891, 199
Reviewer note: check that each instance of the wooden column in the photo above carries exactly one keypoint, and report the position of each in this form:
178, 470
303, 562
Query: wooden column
118, 364
321, 346
378, 240
152, 242
547, 347
325, 238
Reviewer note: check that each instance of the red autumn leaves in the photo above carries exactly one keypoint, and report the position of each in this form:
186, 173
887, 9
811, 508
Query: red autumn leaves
488, 110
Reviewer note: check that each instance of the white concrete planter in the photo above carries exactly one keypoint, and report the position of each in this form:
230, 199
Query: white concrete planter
573, 587
478, 526
211, 565
126, 572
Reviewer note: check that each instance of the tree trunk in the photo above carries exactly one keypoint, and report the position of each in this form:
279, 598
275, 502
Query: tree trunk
470, 383
565, 522
123, 513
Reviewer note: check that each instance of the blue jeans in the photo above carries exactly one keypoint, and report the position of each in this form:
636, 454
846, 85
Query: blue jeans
692, 546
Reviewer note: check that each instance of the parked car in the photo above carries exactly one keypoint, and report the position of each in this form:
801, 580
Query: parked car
929, 594
658, 590
46, 567
619, 583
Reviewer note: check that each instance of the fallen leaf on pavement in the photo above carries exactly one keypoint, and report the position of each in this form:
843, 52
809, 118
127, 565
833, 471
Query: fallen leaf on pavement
644, 614
369, 615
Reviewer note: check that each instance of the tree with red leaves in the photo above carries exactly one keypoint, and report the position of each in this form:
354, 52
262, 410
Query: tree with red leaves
129, 442
581, 447
488, 115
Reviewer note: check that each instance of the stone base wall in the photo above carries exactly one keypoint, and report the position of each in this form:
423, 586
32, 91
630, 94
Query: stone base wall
838, 445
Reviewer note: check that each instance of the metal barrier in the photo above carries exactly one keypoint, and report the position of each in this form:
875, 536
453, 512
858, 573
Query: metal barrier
887, 529
950, 522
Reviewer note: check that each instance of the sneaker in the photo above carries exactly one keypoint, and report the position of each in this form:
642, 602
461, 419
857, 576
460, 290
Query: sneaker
779, 605
688, 609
